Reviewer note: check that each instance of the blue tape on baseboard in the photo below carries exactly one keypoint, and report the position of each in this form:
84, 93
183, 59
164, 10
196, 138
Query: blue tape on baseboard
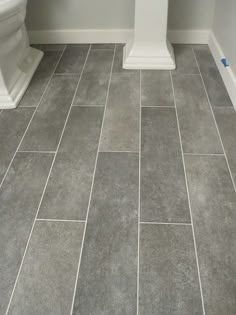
225, 62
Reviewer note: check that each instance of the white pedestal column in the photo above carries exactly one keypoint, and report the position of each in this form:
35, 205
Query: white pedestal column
150, 49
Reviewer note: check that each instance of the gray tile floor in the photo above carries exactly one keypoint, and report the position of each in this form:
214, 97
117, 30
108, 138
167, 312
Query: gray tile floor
117, 188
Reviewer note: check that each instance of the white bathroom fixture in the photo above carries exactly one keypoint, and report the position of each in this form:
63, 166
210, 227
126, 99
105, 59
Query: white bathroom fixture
149, 48
18, 61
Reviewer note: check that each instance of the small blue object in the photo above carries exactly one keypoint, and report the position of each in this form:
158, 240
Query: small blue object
225, 62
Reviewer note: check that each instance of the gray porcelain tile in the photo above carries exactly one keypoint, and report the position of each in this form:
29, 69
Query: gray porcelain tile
47, 124
197, 126
214, 84
121, 124
47, 277
20, 196
163, 187
103, 46
185, 60
40, 79
118, 61
108, 272
68, 190
213, 207
156, 88
168, 271
12, 127
226, 121
52, 47
73, 59
94, 82
92, 89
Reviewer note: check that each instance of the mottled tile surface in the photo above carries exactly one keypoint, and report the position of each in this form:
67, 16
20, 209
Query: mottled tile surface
108, 271
137, 252
197, 126
68, 190
226, 121
168, 271
121, 124
213, 201
20, 196
93, 86
103, 46
47, 277
13, 124
214, 84
185, 60
46, 127
73, 59
156, 88
163, 188
40, 79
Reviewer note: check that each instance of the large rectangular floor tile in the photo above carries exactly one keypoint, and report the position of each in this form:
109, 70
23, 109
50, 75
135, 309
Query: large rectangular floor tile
69, 186
107, 281
197, 126
163, 187
168, 280
20, 196
73, 59
185, 60
121, 123
94, 82
47, 124
156, 88
40, 79
12, 127
226, 121
214, 84
213, 201
47, 278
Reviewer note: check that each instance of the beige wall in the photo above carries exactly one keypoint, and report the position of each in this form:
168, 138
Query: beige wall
112, 14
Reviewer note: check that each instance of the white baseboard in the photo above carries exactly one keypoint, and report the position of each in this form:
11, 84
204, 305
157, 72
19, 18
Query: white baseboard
227, 74
110, 36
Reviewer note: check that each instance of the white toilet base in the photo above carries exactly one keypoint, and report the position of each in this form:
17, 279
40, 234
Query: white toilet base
23, 75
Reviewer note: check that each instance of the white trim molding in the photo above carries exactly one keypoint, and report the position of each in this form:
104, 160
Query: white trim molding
78, 36
227, 74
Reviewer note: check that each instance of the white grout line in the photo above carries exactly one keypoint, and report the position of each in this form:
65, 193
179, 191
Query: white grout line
102, 49
165, 223
41, 152
189, 202
91, 190
204, 154
77, 105
60, 220
139, 187
68, 74
187, 74
210, 105
152, 106
118, 151
31, 119
41, 199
